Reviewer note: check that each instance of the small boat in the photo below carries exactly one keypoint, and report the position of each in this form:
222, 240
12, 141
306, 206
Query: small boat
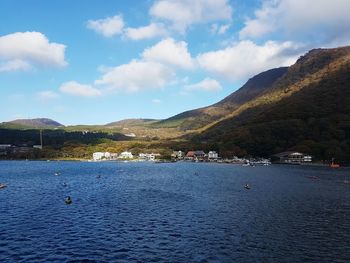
68, 200
247, 186
333, 164
2, 186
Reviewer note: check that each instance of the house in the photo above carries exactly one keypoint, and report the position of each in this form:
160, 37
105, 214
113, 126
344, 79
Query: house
213, 155
199, 154
292, 157
126, 155
98, 156
148, 156
190, 155
38, 146
177, 155
4, 149
195, 155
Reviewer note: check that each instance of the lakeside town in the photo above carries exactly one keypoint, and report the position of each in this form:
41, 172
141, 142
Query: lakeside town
32, 152
200, 156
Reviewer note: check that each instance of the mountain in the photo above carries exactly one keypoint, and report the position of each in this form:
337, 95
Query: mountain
130, 122
32, 123
307, 109
194, 119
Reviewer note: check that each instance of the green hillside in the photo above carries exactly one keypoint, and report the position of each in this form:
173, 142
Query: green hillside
307, 109
195, 119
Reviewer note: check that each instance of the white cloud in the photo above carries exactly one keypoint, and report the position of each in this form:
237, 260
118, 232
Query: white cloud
223, 29
14, 65
246, 59
26, 50
136, 76
324, 21
207, 84
219, 29
146, 32
183, 13
108, 27
77, 89
170, 52
48, 95
156, 101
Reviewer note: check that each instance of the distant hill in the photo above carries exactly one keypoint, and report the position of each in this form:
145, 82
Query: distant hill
32, 123
306, 109
194, 119
130, 122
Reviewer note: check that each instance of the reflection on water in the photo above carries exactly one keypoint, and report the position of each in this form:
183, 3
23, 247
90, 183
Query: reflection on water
144, 212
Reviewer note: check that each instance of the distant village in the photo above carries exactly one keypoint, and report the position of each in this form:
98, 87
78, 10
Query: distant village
201, 156
290, 157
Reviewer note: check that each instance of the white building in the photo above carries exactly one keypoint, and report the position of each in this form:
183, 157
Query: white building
98, 156
213, 155
178, 155
126, 155
148, 156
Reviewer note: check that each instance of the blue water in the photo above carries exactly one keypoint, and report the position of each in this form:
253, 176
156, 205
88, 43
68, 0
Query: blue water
181, 212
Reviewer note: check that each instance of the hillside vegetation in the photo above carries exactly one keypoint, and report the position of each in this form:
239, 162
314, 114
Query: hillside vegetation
307, 109
198, 118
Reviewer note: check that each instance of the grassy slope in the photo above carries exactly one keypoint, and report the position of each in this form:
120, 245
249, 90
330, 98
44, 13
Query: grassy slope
198, 118
307, 109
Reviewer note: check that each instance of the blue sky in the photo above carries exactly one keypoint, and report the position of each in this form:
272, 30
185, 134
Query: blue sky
94, 62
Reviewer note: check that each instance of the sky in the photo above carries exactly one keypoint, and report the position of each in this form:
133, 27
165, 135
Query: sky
95, 62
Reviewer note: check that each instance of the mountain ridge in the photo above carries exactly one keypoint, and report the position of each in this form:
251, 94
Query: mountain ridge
34, 123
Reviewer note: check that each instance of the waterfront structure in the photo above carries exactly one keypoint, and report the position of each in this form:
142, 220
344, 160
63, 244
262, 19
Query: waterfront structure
292, 157
213, 155
148, 156
190, 155
195, 155
178, 155
4, 149
126, 155
99, 156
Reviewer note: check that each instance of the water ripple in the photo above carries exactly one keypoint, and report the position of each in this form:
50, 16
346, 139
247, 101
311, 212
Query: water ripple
137, 212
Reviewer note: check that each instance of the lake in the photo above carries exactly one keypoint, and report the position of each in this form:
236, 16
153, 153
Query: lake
172, 212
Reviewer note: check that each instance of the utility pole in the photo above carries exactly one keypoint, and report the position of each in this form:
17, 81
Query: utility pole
41, 139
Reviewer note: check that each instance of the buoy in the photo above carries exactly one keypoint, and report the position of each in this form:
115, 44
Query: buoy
68, 200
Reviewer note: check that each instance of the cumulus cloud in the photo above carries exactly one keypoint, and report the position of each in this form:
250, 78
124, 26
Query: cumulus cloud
246, 59
136, 76
207, 84
81, 90
26, 50
146, 32
325, 20
219, 29
14, 65
170, 52
108, 27
48, 95
183, 13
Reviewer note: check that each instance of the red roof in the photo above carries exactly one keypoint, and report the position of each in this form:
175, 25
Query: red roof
190, 154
